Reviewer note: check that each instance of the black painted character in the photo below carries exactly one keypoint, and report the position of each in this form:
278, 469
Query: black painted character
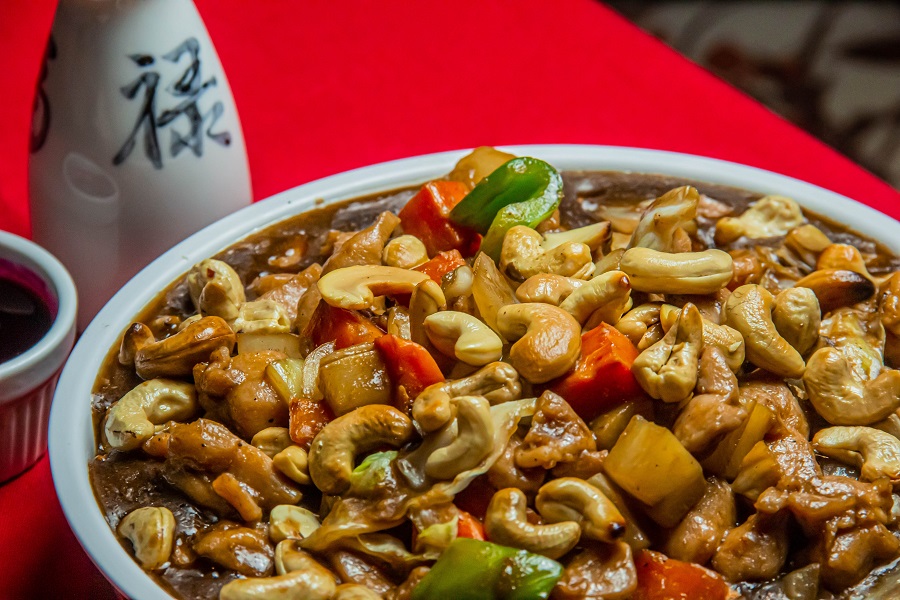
187, 90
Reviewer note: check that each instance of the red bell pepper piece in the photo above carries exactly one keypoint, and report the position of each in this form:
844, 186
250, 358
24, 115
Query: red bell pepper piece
441, 264
476, 497
343, 327
307, 418
663, 578
602, 378
409, 364
426, 216
469, 527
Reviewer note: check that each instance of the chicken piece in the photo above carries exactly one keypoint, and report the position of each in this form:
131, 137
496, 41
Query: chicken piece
777, 397
557, 435
755, 550
599, 572
715, 410
235, 391
698, 535
218, 470
847, 555
587, 464
405, 590
240, 549
365, 247
288, 294
505, 473
355, 569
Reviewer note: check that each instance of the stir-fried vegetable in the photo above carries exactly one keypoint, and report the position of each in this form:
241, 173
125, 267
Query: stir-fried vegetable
523, 191
343, 327
426, 216
602, 378
650, 463
663, 578
441, 264
475, 570
409, 364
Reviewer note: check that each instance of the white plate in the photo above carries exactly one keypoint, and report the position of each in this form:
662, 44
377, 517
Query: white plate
71, 429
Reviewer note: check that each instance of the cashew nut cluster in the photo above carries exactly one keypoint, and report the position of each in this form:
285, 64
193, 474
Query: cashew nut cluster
635, 372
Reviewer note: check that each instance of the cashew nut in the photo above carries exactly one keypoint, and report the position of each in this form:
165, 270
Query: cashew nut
356, 287
131, 421
667, 370
665, 215
474, 439
549, 339
458, 283
216, 289
463, 336
426, 300
723, 337
547, 288
293, 463
287, 521
890, 304
591, 236
637, 322
749, 311
300, 577
262, 316
176, 356
523, 256
404, 252
497, 382
334, 449
573, 499
770, 216
836, 288
272, 440
843, 256
506, 523
796, 316
843, 397
150, 529
807, 242
679, 273
602, 299
877, 452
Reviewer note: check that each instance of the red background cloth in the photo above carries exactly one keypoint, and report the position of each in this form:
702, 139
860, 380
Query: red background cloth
326, 86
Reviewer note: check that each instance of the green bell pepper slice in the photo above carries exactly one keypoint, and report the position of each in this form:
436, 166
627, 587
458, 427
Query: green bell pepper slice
474, 570
523, 191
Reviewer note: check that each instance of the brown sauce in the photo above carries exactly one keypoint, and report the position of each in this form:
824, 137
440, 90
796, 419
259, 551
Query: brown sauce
124, 482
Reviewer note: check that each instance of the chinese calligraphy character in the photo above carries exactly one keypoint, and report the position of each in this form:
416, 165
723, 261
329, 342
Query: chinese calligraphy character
187, 90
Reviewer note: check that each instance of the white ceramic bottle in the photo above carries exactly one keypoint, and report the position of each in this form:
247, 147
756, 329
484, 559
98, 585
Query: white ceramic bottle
135, 140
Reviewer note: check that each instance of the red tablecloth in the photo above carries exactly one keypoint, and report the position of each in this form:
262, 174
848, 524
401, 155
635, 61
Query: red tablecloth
326, 86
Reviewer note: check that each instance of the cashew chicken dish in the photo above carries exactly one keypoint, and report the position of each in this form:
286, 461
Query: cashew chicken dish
516, 383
